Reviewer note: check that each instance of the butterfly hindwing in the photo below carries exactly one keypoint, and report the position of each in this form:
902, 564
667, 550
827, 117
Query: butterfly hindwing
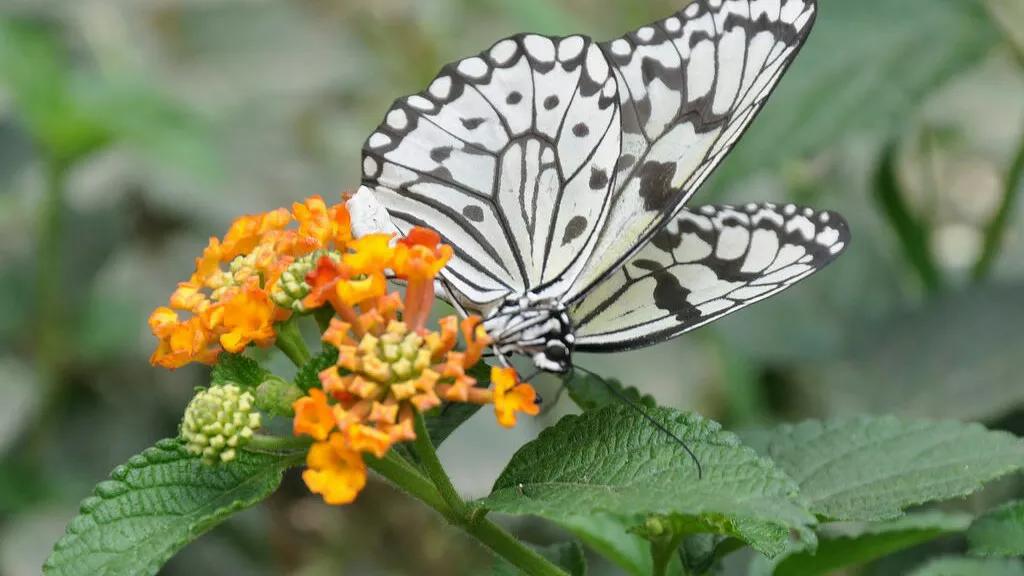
509, 155
705, 263
689, 86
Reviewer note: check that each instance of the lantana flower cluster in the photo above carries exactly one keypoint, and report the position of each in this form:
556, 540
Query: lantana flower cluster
392, 363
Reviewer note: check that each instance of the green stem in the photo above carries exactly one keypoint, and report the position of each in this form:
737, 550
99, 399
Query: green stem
996, 230
432, 466
662, 552
289, 340
49, 277
437, 491
263, 443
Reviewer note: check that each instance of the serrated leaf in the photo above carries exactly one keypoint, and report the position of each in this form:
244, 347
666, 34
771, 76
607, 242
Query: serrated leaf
971, 567
875, 55
566, 555
238, 369
158, 502
591, 392
613, 461
309, 375
844, 546
872, 468
999, 532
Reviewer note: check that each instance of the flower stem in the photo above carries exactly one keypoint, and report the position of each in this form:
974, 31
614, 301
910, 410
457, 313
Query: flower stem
289, 340
264, 443
49, 265
472, 522
996, 231
432, 466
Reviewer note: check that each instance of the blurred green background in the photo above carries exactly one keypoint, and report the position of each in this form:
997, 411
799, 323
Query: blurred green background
132, 130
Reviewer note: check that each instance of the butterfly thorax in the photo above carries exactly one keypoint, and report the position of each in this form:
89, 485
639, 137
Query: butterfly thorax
533, 326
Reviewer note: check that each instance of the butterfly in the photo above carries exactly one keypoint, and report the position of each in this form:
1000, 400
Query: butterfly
559, 168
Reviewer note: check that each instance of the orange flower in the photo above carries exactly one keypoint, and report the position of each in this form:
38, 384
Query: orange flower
418, 259
235, 289
334, 470
313, 417
511, 396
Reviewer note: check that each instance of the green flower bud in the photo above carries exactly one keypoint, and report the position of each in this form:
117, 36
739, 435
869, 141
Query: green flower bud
292, 288
219, 421
276, 397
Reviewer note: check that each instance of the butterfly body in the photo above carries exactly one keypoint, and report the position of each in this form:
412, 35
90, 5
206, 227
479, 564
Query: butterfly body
559, 170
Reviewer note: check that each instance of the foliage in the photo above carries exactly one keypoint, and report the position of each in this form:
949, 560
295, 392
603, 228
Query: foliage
159, 501
872, 468
999, 532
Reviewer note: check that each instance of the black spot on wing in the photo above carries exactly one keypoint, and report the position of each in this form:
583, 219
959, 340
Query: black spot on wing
656, 184
669, 294
598, 179
625, 161
441, 154
580, 130
472, 123
474, 213
577, 226
551, 102
514, 98
666, 241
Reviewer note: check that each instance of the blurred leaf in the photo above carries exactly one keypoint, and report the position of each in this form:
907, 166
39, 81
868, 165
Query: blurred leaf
34, 70
971, 567
999, 532
238, 369
954, 358
591, 392
156, 504
872, 468
612, 460
20, 399
853, 547
539, 16
865, 69
996, 232
912, 234
566, 555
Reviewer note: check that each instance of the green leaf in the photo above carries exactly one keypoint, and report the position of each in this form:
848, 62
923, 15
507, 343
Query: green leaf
871, 55
1000, 532
157, 503
566, 555
34, 71
872, 468
612, 460
591, 392
971, 567
915, 364
610, 536
309, 375
238, 369
843, 546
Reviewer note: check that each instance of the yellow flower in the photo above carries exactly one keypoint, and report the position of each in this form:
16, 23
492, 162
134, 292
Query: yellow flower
511, 396
334, 470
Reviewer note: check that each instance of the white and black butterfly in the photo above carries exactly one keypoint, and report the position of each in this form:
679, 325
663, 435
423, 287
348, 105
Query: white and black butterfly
558, 168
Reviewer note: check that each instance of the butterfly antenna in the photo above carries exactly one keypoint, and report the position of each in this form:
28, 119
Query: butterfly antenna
622, 398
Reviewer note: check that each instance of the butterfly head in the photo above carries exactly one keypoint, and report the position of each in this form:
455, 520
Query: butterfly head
536, 327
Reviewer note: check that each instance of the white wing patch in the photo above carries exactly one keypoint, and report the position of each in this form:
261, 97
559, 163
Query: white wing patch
704, 264
509, 156
689, 86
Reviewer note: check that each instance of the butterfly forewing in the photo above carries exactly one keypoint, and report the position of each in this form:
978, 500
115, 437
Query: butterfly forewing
509, 155
705, 263
689, 86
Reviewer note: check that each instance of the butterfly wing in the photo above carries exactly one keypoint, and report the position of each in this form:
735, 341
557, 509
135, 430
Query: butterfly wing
706, 263
689, 86
509, 156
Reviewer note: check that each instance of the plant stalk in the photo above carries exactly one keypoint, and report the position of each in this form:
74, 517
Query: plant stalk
996, 230
50, 277
435, 471
289, 340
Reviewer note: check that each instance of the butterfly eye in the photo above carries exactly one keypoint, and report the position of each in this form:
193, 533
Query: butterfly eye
556, 352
